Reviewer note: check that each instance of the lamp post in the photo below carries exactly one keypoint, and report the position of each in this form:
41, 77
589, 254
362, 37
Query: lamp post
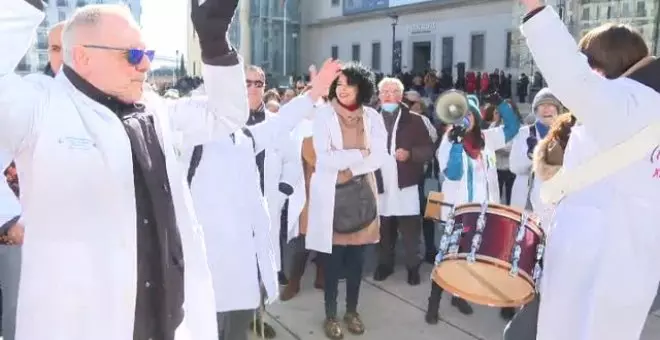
395, 21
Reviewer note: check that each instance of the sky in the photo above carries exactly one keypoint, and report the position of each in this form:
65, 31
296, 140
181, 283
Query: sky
164, 25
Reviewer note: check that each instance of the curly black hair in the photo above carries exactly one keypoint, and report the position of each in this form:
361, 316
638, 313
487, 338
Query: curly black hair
360, 76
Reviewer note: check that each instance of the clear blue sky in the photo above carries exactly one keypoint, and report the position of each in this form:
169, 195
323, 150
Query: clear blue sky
164, 25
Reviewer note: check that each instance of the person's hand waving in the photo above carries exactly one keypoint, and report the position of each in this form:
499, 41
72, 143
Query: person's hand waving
322, 80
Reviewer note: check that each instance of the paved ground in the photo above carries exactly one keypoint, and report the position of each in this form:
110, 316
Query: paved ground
395, 310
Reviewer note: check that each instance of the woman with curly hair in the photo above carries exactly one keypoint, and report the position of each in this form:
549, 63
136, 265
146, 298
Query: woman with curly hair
350, 145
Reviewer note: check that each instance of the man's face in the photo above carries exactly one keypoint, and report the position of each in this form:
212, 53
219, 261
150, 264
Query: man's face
255, 83
288, 95
55, 47
300, 86
547, 113
390, 93
106, 57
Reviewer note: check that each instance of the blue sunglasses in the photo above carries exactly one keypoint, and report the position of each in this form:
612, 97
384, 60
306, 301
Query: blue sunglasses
134, 56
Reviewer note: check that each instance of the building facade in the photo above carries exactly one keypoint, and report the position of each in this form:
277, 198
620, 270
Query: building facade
581, 16
274, 31
56, 11
420, 34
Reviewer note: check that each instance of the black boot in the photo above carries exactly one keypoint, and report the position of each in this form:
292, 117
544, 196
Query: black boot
433, 307
281, 278
383, 272
461, 305
413, 276
507, 313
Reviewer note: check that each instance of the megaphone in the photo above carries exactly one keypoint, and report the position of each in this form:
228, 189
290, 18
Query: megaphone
452, 107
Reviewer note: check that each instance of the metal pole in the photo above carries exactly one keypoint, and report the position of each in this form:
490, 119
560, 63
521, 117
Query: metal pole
656, 27
394, 22
244, 25
284, 23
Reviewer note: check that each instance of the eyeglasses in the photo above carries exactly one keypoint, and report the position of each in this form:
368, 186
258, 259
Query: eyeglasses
134, 56
255, 83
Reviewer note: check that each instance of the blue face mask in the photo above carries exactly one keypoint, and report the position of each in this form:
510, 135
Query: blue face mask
390, 107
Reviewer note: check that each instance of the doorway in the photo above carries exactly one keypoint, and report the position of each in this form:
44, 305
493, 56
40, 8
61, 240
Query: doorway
421, 56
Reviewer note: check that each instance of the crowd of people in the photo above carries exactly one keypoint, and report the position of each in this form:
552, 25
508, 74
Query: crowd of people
177, 207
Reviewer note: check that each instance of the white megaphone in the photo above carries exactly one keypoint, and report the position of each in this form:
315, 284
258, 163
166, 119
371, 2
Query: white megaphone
452, 107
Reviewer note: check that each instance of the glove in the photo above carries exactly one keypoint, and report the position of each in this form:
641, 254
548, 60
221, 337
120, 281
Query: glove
494, 99
457, 134
531, 144
285, 188
38, 4
211, 21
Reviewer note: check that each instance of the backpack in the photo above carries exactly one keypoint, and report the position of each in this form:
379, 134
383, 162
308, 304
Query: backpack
199, 150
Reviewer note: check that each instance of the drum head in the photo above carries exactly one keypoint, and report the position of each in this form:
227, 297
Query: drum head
486, 281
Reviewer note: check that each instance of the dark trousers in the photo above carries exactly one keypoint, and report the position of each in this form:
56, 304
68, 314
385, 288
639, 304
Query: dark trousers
523, 324
347, 260
233, 325
284, 230
428, 226
505, 179
436, 294
410, 228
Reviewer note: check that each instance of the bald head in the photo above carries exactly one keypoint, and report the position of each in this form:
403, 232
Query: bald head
55, 46
97, 42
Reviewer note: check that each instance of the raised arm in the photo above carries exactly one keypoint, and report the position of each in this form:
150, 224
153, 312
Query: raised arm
497, 137
18, 22
225, 107
377, 145
277, 130
589, 96
450, 159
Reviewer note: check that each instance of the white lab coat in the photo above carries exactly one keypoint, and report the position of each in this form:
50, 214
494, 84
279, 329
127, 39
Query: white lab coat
79, 270
230, 206
292, 173
330, 159
521, 166
484, 173
278, 165
600, 272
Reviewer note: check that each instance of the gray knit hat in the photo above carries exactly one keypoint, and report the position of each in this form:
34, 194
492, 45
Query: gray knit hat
544, 96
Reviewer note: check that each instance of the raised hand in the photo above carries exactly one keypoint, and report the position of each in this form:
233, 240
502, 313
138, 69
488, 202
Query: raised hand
531, 5
211, 20
457, 134
324, 77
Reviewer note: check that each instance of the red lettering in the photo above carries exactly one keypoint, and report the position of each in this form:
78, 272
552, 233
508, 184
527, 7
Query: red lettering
656, 174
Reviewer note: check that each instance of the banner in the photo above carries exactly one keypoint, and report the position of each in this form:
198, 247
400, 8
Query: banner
363, 6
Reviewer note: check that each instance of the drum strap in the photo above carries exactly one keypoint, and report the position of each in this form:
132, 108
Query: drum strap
530, 187
602, 165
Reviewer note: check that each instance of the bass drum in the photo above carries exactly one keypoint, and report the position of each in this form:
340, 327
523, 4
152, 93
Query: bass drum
499, 266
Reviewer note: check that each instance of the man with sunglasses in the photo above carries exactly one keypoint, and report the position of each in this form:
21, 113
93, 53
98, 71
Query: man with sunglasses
111, 252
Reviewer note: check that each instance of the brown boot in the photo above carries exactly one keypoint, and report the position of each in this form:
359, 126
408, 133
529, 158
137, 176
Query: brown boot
319, 281
297, 272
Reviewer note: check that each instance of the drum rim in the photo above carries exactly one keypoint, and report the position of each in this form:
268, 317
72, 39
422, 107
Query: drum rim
462, 257
515, 214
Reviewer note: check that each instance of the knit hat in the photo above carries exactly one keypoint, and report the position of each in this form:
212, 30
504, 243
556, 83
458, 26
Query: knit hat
473, 107
544, 96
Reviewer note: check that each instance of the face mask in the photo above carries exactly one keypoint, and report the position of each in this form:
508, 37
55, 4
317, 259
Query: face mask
390, 107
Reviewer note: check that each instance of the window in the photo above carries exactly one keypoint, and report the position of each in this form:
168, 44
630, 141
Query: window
23, 65
477, 51
81, 3
42, 40
334, 52
641, 9
375, 56
507, 60
585, 14
62, 3
625, 10
448, 53
355, 52
334, 3
61, 15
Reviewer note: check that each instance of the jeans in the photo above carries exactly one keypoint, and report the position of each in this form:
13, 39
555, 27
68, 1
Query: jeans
347, 260
10, 271
506, 179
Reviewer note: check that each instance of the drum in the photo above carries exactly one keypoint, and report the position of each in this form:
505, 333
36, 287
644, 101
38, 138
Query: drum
490, 255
